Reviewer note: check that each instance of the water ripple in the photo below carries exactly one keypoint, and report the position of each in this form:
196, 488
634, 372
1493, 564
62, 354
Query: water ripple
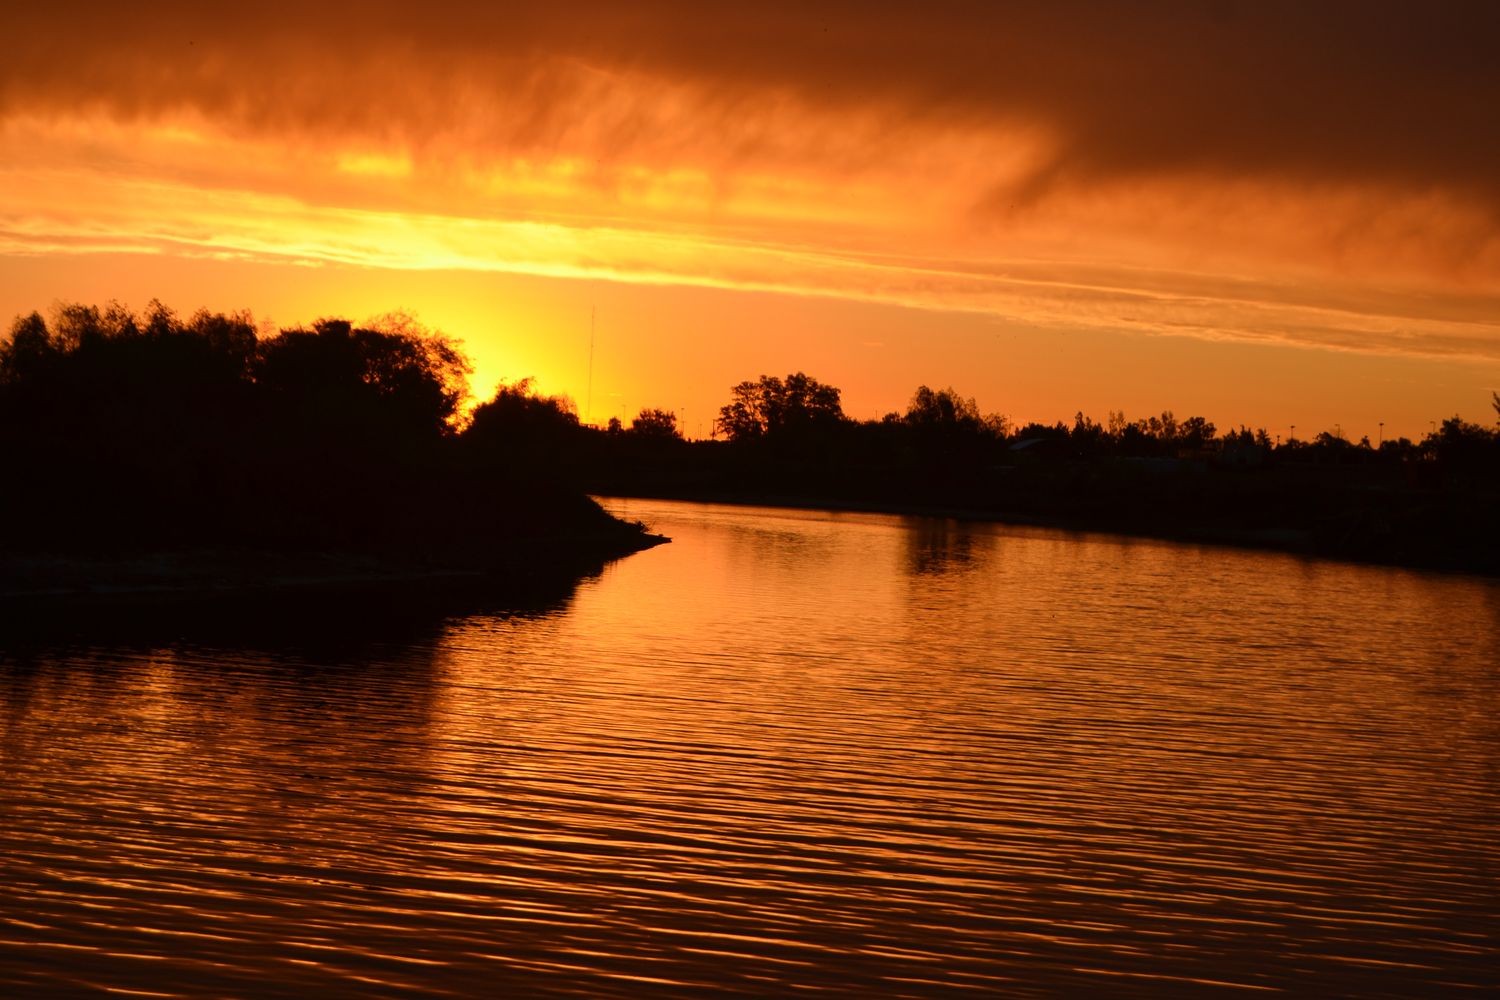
856, 755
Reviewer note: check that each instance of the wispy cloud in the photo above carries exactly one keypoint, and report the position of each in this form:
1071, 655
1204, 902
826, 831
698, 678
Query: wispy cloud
1387, 90
106, 213
1325, 175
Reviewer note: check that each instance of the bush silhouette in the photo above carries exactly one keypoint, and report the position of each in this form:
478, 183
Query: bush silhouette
128, 431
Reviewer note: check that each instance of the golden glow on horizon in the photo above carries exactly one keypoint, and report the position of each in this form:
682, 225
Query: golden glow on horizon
76, 208
656, 172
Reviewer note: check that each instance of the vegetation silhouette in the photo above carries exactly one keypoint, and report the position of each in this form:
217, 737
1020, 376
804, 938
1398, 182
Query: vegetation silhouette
127, 434
656, 424
771, 408
1435, 502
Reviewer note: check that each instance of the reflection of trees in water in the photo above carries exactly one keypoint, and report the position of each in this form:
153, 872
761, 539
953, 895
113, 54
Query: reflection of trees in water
936, 546
265, 713
226, 769
320, 622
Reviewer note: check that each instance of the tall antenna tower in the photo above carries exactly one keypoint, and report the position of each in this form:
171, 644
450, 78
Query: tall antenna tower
589, 406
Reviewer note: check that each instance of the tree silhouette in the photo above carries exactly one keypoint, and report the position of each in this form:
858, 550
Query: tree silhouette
1195, 433
407, 379
944, 408
125, 430
27, 350
517, 410
772, 407
520, 435
655, 423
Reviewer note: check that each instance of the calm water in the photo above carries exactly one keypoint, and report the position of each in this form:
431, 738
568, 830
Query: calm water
791, 752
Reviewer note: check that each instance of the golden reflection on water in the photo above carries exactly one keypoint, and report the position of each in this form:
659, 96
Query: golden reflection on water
866, 755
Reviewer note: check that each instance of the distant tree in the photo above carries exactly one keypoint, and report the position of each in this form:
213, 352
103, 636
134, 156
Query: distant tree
1128, 437
1459, 444
522, 434
77, 326
28, 348
1195, 433
997, 425
1088, 437
1402, 448
1165, 428
1246, 438
118, 322
389, 372
518, 410
943, 408
654, 423
231, 336
773, 407
1046, 432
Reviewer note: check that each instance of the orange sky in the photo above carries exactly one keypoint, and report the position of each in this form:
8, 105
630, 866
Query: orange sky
1265, 213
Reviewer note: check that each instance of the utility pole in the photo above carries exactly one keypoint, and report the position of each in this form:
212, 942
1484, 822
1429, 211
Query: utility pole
1380, 441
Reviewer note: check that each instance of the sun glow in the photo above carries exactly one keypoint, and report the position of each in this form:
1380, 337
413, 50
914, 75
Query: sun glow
982, 199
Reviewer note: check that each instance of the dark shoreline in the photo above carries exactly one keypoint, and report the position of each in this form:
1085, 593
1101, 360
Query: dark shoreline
206, 575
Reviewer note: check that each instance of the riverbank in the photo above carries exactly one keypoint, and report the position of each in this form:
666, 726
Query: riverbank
35, 579
1379, 533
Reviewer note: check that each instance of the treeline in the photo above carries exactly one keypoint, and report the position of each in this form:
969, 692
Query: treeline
126, 431
152, 430
943, 424
1430, 502
799, 420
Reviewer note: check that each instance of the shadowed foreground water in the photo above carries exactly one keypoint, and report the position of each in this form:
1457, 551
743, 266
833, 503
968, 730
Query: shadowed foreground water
789, 753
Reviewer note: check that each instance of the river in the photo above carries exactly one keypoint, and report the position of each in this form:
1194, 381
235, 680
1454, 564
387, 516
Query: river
792, 752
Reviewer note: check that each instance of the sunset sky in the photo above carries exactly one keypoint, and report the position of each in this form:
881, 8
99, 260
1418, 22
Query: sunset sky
1264, 213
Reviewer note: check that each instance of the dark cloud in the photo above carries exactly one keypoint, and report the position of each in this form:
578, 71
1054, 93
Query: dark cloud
1382, 92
